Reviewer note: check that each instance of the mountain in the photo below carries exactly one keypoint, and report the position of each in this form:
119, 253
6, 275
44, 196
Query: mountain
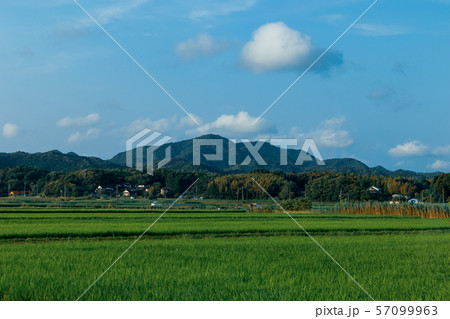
182, 159
54, 161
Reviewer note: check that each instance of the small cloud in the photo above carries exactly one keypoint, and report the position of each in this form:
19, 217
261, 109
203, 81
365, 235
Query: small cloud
399, 164
162, 125
332, 18
165, 125
376, 30
10, 130
117, 11
188, 121
235, 126
329, 134
202, 45
79, 121
384, 93
104, 15
442, 150
439, 164
90, 134
409, 149
221, 8
275, 46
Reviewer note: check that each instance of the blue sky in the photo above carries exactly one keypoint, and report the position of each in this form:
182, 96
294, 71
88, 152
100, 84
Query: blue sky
379, 95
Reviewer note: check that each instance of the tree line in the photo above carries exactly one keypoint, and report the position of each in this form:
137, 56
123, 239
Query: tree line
316, 186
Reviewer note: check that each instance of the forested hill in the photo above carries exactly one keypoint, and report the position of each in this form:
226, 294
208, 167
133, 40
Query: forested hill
182, 161
182, 151
54, 161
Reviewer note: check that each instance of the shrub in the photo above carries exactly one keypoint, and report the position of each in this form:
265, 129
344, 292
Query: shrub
299, 203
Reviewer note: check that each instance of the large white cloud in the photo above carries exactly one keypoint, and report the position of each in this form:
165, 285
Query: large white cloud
79, 121
10, 130
409, 149
203, 44
239, 125
275, 46
329, 134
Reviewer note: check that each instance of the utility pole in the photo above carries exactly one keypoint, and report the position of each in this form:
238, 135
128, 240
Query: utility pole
65, 190
237, 197
24, 189
289, 190
117, 196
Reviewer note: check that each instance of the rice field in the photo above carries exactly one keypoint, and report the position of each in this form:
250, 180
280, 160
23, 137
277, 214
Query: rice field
51, 254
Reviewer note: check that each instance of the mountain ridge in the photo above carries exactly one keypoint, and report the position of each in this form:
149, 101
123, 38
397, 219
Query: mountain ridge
182, 158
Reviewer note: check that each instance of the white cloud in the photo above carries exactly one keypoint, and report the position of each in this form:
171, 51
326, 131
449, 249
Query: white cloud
384, 93
104, 15
409, 149
380, 29
164, 125
235, 126
328, 134
202, 44
275, 46
439, 164
90, 134
221, 8
442, 150
68, 121
10, 130
332, 18
188, 121
116, 11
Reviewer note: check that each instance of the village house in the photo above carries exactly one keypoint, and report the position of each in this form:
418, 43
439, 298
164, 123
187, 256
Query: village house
375, 190
15, 193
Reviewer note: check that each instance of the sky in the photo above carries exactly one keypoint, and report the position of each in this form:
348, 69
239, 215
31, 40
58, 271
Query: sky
380, 94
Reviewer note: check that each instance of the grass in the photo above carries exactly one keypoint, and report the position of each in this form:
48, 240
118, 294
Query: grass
395, 209
122, 224
56, 255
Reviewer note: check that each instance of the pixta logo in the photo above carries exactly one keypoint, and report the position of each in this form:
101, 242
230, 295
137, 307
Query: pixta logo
148, 141
308, 148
